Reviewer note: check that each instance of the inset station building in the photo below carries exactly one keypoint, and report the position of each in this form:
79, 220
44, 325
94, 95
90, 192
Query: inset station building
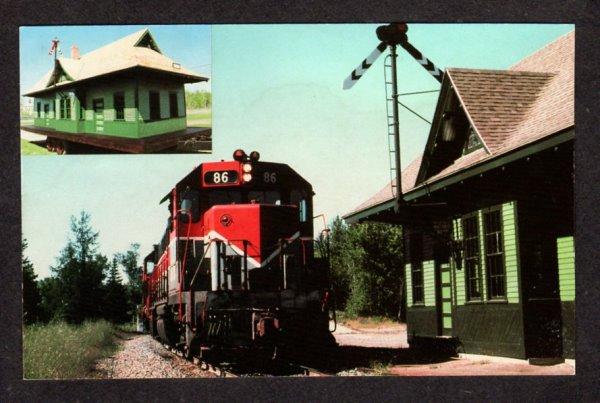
126, 96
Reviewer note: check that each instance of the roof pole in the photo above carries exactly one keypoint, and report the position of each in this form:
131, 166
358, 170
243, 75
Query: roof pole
399, 198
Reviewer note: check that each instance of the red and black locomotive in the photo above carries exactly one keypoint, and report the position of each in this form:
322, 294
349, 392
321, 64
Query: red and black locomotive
236, 268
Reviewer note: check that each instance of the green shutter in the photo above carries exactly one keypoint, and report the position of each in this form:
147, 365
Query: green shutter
565, 249
511, 251
460, 274
408, 277
482, 259
429, 282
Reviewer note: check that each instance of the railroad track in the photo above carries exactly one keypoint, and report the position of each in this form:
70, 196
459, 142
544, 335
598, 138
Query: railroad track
229, 371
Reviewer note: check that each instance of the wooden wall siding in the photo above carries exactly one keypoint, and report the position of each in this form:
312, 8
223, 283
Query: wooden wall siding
494, 329
408, 280
511, 251
133, 125
459, 275
565, 248
429, 282
482, 259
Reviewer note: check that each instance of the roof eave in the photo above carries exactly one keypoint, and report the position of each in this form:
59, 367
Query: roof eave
488, 164
189, 79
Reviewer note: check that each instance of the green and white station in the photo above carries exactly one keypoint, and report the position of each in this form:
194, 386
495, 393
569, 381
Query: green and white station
127, 89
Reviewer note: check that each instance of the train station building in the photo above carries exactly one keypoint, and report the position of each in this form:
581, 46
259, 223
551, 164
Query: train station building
487, 211
127, 96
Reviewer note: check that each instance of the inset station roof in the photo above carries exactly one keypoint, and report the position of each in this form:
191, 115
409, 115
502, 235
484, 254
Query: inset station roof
136, 50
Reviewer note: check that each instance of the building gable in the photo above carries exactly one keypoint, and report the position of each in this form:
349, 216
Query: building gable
147, 41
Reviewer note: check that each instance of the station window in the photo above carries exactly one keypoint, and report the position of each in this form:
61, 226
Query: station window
471, 253
39, 109
494, 255
173, 107
119, 104
416, 264
154, 105
473, 142
65, 108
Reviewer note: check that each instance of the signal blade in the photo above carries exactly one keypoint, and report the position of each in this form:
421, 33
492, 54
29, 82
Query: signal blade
362, 68
423, 61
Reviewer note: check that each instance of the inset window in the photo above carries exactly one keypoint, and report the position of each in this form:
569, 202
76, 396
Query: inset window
119, 105
154, 105
173, 107
494, 254
65, 108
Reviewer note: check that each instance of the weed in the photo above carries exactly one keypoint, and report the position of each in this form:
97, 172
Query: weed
58, 350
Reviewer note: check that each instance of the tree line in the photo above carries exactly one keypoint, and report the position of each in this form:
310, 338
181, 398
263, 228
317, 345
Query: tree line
367, 268
366, 262
198, 99
85, 284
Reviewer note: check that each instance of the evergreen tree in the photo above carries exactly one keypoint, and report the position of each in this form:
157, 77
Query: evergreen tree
52, 305
31, 292
129, 261
80, 271
115, 297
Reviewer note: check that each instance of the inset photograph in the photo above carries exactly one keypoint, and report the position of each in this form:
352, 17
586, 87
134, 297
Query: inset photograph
115, 89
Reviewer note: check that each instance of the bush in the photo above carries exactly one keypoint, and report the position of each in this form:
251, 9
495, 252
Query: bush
59, 350
367, 268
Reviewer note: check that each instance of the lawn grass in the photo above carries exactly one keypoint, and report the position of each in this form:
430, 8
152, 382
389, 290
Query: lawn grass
61, 351
199, 117
28, 148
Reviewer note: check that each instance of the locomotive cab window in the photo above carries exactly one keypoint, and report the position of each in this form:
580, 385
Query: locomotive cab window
265, 196
216, 197
298, 198
190, 206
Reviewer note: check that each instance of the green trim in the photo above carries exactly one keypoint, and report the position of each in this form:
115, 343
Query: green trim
482, 256
429, 282
511, 251
565, 248
408, 279
459, 280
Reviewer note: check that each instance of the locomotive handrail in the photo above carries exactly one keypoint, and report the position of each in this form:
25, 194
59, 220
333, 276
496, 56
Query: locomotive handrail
200, 263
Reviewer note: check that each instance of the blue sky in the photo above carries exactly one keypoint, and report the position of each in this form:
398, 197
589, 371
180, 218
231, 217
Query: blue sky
186, 44
276, 89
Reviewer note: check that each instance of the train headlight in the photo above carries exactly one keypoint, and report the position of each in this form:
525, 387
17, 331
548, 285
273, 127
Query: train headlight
247, 168
247, 177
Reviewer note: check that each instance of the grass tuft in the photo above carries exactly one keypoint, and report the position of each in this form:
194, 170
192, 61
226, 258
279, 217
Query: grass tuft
60, 351
28, 148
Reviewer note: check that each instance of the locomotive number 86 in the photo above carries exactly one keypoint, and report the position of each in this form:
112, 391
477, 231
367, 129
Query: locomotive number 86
236, 268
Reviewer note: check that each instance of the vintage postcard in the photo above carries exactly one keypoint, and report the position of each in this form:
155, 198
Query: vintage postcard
371, 201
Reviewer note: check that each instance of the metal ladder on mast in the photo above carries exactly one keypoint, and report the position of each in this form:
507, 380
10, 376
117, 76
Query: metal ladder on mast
389, 107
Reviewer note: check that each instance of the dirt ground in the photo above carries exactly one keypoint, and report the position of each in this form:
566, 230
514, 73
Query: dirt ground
403, 363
